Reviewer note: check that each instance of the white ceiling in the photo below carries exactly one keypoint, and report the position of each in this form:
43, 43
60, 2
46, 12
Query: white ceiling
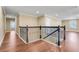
58, 11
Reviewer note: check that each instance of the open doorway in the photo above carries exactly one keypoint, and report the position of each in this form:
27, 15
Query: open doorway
10, 24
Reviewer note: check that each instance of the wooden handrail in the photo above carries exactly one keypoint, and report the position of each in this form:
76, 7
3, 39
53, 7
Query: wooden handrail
41, 26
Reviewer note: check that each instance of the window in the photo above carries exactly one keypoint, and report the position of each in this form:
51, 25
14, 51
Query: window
73, 24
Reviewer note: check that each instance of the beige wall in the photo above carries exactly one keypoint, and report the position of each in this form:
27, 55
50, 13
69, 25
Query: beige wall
7, 25
17, 24
1, 24
27, 20
47, 21
66, 23
34, 21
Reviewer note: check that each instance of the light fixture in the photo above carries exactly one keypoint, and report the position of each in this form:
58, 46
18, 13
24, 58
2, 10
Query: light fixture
37, 12
56, 15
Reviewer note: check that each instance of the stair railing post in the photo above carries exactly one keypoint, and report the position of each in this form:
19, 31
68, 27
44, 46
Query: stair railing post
27, 33
40, 31
64, 32
58, 35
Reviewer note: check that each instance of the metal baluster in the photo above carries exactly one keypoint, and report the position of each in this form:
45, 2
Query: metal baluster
64, 32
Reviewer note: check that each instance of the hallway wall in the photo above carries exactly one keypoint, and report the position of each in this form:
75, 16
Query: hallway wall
2, 25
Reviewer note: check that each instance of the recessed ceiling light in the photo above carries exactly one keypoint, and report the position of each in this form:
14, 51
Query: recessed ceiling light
56, 15
37, 12
75, 6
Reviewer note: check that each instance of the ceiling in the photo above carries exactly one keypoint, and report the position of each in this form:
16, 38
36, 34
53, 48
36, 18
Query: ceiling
58, 11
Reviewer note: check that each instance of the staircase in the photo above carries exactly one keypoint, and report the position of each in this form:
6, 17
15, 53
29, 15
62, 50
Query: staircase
53, 34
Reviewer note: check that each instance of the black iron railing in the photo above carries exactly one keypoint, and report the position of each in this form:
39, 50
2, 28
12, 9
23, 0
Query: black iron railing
57, 30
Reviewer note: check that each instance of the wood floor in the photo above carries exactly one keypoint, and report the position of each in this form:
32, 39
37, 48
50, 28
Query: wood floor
12, 43
71, 44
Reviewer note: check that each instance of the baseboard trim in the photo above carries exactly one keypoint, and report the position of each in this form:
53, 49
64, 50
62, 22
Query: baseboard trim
2, 39
34, 41
50, 42
21, 38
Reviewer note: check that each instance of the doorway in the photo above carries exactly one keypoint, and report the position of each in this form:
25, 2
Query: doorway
10, 24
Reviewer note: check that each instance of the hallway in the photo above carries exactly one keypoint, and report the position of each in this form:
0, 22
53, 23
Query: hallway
12, 43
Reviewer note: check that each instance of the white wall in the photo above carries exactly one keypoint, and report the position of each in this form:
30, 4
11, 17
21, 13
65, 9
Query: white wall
2, 23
